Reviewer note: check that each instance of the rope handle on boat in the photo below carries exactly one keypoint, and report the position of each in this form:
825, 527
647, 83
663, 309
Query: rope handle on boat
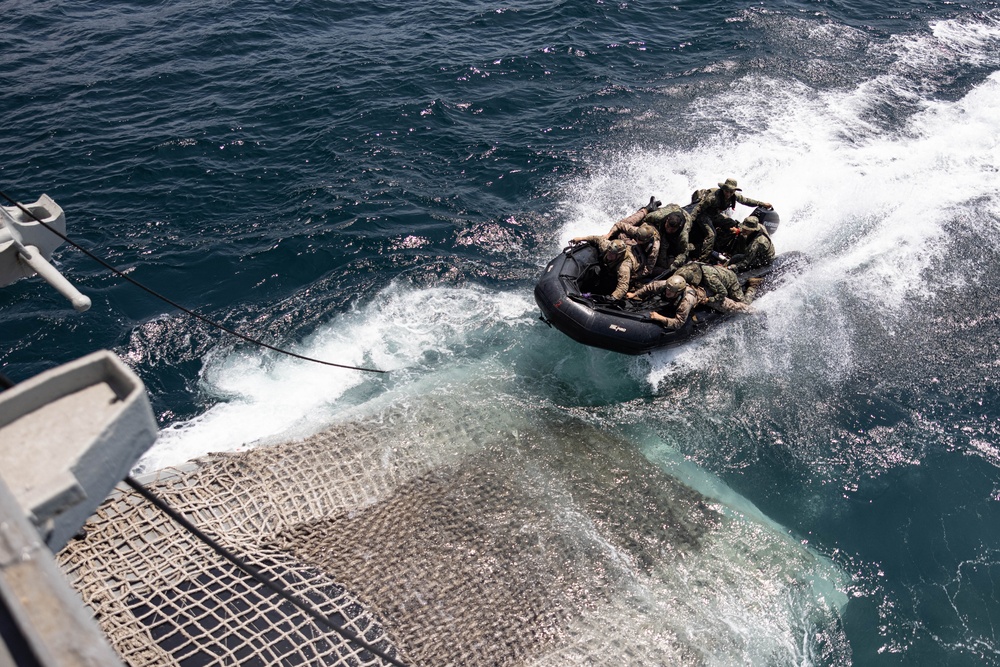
256, 574
192, 313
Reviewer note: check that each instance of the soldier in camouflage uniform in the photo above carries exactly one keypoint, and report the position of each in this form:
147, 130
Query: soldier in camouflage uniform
678, 293
752, 246
722, 288
645, 237
674, 225
724, 291
618, 256
708, 214
638, 233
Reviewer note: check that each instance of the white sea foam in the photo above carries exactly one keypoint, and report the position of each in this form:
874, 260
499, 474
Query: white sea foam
870, 206
874, 207
405, 331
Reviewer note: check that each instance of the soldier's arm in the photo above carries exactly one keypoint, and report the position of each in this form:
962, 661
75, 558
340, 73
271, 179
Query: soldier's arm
744, 260
614, 232
654, 253
739, 262
748, 201
756, 255
684, 235
687, 304
650, 289
624, 277
680, 259
702, 252
634, 219
628, 222
684, 309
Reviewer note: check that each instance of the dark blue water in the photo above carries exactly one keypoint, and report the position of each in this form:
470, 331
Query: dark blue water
379, 183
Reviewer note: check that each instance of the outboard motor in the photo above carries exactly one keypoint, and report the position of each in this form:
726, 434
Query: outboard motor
768, 217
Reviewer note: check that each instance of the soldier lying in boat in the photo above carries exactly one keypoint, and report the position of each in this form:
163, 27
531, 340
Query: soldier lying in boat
696, 284
678, 295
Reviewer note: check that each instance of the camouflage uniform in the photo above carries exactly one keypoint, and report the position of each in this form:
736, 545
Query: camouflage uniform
674, 250
629, 221
708, 214
674, 245
722, 287
753, 247
683, 303
637, 235
724, 291
627, 266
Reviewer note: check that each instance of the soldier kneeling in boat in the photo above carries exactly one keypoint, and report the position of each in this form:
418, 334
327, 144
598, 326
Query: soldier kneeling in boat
751, 247
616, 256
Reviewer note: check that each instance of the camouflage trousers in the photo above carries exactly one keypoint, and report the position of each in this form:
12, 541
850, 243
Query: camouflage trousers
727, 305
722, 283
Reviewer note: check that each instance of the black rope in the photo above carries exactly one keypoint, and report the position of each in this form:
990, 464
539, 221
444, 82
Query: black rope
176, 305
257, 574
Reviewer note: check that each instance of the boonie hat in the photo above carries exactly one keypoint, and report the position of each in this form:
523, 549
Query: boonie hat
729, 184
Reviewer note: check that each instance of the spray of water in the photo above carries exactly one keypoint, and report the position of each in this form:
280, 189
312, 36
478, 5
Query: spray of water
874, 203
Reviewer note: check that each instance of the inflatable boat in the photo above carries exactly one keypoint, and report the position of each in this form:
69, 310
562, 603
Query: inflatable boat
569, 296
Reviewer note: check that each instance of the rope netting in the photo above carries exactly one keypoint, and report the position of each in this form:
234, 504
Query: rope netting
461, 542
165, 598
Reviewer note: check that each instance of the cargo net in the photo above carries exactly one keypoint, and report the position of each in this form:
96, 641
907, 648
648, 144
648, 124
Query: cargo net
468, 543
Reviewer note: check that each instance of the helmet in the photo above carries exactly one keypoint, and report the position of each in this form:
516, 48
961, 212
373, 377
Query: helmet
645, 233
676, 283
616, 247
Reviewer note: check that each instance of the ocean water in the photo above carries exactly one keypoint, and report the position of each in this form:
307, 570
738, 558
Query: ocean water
380, 183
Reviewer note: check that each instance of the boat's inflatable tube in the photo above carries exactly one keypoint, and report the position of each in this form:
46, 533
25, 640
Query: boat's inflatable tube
587, 320
563, 295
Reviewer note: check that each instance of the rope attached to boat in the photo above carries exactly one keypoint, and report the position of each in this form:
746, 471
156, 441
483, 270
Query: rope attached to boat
192, 313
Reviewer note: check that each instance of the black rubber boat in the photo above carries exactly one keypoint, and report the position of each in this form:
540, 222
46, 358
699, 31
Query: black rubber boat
569, 296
